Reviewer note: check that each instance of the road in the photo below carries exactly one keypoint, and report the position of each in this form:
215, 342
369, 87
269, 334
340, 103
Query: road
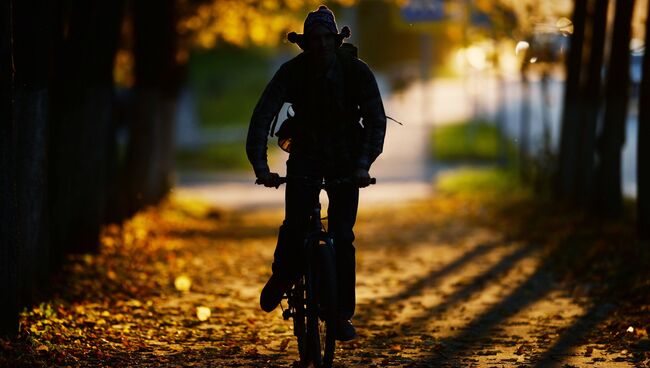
405, 170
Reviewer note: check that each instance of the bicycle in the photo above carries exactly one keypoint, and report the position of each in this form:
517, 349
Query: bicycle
312, 298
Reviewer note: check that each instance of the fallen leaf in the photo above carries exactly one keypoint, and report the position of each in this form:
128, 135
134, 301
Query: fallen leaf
183, 283
284, 344
521, 350
202, 313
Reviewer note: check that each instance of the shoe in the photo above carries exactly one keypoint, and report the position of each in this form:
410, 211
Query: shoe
272, 292
345, 331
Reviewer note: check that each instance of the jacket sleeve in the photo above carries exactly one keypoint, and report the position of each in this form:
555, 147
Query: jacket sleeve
268, 106
374, 117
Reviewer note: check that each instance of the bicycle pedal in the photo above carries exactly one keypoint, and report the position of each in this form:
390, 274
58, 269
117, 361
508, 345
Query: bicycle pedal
286, 314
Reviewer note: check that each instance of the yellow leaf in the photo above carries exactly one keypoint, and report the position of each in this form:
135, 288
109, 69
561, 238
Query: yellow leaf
111, 275
183, 283
284, 344
202, 313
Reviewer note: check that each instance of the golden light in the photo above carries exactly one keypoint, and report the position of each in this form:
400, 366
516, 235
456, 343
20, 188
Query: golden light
476, 57
123, 68
508, 62
521, 46
459, 61
183, 283
203, 313
246, 22
565, 26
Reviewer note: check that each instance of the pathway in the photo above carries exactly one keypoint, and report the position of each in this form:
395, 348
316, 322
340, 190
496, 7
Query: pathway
435, 289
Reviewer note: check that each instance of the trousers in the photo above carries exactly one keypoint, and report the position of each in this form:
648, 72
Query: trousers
300, 199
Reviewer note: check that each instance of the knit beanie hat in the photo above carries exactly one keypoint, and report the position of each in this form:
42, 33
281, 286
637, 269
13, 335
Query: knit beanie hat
322, 16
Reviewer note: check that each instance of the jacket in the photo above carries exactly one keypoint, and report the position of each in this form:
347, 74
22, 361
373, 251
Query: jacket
355, 93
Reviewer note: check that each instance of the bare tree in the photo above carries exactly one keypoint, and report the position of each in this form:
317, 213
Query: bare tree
592, 97
643, 144
23, 127
83, 88
612, 137
149, 160
572, 105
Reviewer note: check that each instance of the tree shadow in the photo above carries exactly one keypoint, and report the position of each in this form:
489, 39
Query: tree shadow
576, 258
479, 330
574, 335
521, 297
431, 279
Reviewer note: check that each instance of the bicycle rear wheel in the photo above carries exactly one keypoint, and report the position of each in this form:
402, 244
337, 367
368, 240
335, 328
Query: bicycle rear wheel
322, 306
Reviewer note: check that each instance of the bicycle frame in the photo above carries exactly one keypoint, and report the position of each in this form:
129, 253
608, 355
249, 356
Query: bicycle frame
313, 297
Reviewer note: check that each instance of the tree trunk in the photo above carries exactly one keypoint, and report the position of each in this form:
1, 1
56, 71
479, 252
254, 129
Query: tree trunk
643, 144
572, 105
610, 142
501, 114
524, 126
24, 74
592, 97
8, 199
149, 164
82, 131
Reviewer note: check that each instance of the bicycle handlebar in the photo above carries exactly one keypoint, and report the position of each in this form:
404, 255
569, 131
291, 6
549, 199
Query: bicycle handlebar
323, 183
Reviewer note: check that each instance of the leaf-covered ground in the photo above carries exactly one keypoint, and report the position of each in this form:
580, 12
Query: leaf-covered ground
453, 281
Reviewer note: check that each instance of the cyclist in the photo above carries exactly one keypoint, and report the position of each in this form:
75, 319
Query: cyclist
329, 92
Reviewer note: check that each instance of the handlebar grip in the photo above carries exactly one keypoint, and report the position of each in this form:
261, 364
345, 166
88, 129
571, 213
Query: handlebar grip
282, 180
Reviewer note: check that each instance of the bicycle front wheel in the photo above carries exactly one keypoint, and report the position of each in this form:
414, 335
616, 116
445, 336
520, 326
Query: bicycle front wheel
322, 306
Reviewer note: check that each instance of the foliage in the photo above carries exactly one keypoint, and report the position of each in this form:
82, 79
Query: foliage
468, 141
227, 83
485, 181
214, 157
243, 22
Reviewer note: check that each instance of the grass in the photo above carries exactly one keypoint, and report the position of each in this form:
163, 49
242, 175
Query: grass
486, 181
227, 83
224, 156
467, 141
213, 157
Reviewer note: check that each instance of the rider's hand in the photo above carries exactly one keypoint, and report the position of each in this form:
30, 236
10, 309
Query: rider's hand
362, 177
269, 180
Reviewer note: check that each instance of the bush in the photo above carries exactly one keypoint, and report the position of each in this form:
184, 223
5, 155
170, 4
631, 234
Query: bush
227, 83
488, 181
213, 157
469, 141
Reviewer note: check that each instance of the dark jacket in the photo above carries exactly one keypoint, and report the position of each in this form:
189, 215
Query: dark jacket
353, 93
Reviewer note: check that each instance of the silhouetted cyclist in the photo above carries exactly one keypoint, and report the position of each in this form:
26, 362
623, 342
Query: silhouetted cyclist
337, 131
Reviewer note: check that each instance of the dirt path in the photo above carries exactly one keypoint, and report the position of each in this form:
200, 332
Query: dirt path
433, 291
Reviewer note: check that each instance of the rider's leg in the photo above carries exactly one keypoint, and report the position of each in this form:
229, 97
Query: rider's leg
342, 214
300, 198
288, 252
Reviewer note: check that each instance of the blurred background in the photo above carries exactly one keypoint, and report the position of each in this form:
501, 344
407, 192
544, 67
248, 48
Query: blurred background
108, 106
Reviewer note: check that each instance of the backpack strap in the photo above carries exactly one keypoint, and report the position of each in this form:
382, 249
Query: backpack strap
388, 117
